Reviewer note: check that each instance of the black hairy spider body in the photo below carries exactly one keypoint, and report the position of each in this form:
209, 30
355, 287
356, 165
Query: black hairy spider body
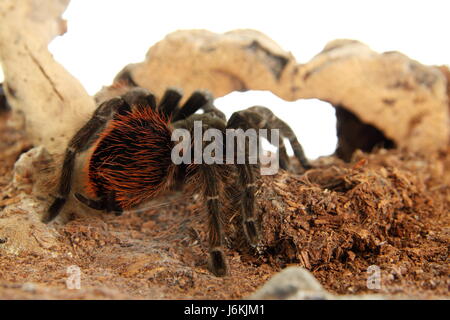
130, 163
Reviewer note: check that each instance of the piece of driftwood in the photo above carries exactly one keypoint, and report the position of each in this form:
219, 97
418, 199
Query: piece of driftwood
53, 101
404, 99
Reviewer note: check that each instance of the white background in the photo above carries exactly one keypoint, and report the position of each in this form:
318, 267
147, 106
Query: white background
105, 35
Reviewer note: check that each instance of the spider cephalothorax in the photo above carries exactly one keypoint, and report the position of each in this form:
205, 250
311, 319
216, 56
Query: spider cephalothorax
130, 161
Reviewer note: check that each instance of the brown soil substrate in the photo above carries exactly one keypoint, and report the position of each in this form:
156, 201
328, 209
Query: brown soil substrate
388, 209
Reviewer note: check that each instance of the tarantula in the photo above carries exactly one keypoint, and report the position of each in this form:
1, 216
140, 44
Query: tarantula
129, 138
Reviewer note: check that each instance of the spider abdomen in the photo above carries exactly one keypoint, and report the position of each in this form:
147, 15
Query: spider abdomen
132, 157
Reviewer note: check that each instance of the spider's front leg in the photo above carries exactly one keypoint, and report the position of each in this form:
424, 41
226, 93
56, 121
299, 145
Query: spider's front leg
209, 177
247, 181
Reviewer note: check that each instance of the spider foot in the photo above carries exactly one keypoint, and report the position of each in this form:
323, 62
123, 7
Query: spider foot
54, 209
217, 262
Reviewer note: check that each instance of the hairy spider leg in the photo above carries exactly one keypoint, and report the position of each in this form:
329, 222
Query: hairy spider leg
272, 121
125, 76
81, 141
91, 203
247, 119
200, 99
212, 111
169, 102
246, 173
139, 98
196, 101
106, 202
208, 176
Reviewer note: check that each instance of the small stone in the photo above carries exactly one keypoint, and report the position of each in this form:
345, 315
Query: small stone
292, 283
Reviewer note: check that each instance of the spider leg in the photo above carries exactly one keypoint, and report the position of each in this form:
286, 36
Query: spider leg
209, 177
80, 142
107, 203
112, 205
211, 110
284, 161
258, 117
140, 98
246, 119
197, 100
94, 204
169, 101
125, 76
272, 121
246, 178
217, 263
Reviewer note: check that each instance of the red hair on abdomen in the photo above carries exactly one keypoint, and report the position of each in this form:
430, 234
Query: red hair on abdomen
132, 157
